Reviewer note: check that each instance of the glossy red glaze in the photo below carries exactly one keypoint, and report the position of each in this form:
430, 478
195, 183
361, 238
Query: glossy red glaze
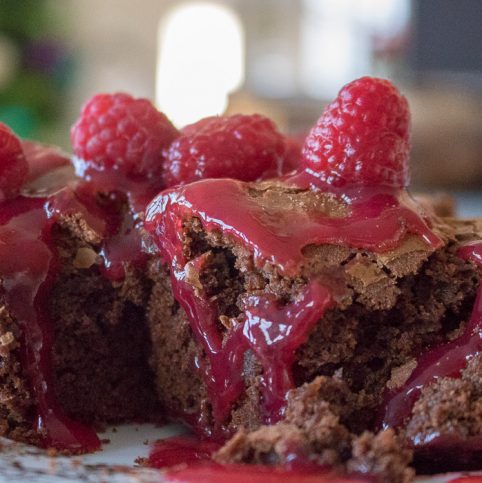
446, 360
28, 264
187, 459
255, 474
448, 452
274, 332
379, 219
181, 450
376, 219
467, 479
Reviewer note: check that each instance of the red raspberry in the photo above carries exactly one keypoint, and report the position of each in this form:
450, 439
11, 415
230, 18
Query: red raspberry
294, 145
118, 132
13, 165
362, 137
244, 147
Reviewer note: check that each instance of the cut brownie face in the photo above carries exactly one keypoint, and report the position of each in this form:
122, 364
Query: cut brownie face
101, 342
267, 299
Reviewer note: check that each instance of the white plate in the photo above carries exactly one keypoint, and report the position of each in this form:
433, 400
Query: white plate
114, 464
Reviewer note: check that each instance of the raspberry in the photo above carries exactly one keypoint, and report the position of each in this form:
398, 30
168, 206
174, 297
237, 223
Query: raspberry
13, 165
118, 132
294, 145
362, 137
244, 147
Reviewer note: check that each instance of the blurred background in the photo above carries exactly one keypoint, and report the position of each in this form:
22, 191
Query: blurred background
283, 58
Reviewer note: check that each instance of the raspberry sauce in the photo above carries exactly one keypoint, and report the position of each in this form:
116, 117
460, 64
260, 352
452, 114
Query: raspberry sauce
265, 329
274, 332
254, 474
179, 450
187, 459
376, 219
446, 360
467, 479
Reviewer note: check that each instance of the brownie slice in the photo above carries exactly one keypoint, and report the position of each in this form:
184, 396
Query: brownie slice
389, 305
124, 349
100, 347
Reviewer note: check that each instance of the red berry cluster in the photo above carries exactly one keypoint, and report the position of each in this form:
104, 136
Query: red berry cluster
118, 132
362, 137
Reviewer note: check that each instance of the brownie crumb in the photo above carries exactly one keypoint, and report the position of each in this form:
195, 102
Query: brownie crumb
444, 418
382, 455
314, 431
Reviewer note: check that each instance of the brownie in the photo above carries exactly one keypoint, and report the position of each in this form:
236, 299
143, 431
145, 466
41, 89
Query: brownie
315, 428
390, 305
100, 349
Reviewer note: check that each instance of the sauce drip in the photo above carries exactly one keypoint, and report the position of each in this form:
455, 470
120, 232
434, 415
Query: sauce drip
255, 474
446, 360
376, 219
28, 264
189, 460
179, 450
272, 332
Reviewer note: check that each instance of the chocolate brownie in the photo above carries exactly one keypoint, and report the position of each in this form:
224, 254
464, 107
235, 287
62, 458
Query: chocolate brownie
100, 345
390, 305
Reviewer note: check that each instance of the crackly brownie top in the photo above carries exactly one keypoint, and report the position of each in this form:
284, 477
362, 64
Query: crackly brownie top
280, 221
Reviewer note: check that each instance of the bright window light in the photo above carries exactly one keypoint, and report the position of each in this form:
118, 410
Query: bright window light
200, 61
